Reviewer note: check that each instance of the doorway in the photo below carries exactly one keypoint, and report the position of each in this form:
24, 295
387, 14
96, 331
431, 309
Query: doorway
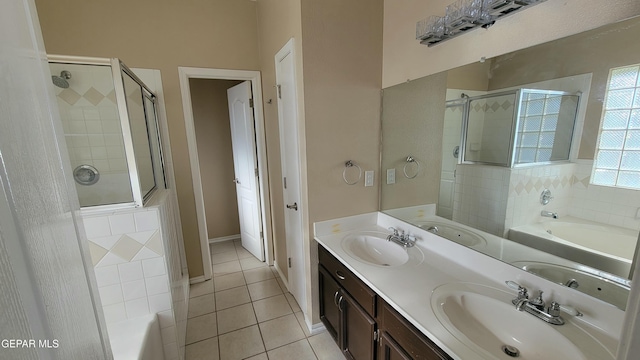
217, 177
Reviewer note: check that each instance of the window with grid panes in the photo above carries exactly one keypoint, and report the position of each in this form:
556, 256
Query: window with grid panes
537, 128
617, 160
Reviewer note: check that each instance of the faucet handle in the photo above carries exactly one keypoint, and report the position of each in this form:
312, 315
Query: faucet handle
395, 231
522, 291
570, 310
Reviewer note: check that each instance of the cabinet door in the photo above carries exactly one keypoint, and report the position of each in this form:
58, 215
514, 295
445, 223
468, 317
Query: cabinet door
358, 329
390, 350
329, 310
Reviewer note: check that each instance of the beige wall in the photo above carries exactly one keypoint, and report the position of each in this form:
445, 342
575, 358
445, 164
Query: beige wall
594, 52
404, 57
474, 76
213, 135
278, 21
160, 35
342, 54
412, 124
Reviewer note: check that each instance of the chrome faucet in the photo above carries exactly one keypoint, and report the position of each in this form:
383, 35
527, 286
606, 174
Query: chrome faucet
550, 214
536, 307
433, 229
400, 238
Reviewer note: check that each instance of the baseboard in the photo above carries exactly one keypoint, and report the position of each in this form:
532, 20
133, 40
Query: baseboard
284, 279
314, 329
224, 238
197, 279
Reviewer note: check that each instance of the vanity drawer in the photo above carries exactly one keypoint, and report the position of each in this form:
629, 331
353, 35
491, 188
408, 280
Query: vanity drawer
343, 276
412, 341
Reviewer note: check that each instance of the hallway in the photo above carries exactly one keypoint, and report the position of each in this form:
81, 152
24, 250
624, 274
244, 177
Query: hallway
247, 313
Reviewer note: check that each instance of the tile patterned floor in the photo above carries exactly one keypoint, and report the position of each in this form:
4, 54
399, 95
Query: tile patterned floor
245, 312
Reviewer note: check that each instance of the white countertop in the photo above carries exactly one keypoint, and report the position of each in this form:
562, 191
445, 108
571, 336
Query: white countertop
407, 288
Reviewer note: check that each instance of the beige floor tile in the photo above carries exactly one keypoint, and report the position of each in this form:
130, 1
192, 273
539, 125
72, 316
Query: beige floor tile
224, 257
262, 356
271, 308
203, 350
243, 253
256, 275
300, 317
226, 268
264, 289
325, 347
233, 297
201, 327
201, 305
237, 242
280, 331
229, 281
299, 350
251, 263
222, 247
202, 288
292, 302
241, 344
235, 318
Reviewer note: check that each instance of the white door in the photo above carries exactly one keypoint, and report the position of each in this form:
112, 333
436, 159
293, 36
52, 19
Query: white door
290, 156
245, 165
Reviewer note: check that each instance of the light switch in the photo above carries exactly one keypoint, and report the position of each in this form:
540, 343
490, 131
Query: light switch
391, 176
368, 178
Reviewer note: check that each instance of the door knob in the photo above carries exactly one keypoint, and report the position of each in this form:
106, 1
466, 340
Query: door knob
294, 206
236, 181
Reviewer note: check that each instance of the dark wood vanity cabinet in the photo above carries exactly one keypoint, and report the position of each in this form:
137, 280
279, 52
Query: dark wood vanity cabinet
363, 325
407, 341
352, 326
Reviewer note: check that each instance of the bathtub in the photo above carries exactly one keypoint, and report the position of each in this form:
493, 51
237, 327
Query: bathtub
136, 339
605, 247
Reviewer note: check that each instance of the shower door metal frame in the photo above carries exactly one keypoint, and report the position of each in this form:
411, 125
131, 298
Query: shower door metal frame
515, 124
465, 128
117, 69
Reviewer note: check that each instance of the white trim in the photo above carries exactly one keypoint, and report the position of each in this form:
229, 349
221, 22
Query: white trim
224, 238
284, 279
186, 73
197, 279
314, 329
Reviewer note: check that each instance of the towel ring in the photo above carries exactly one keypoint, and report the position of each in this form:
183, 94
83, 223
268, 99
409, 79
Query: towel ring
411, 159
347, 165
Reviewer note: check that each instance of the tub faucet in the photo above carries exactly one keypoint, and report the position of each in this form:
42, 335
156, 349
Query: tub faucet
550, 214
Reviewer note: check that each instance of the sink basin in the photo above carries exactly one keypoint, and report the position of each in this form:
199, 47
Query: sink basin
590, 281
373, 248
484, 319
453, 233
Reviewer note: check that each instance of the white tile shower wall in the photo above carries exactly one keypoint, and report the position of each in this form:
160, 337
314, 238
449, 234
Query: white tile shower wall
178, 276
480, 199
609, 205
526, 185
138, 269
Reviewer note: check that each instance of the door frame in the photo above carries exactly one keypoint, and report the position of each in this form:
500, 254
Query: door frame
186, 73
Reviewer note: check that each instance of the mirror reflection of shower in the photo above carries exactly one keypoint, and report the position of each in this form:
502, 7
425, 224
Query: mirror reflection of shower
62, 80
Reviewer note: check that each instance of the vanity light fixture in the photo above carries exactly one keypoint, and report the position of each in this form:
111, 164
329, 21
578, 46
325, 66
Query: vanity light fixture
465, 15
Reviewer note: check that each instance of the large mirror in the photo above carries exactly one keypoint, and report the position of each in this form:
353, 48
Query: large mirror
532, 157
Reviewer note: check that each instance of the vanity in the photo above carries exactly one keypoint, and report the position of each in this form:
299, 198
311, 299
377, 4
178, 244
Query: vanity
436, 299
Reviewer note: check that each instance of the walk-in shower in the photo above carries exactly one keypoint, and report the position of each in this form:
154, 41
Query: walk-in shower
518, 127
111, 131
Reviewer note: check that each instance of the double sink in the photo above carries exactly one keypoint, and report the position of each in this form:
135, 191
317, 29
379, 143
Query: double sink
482, 317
